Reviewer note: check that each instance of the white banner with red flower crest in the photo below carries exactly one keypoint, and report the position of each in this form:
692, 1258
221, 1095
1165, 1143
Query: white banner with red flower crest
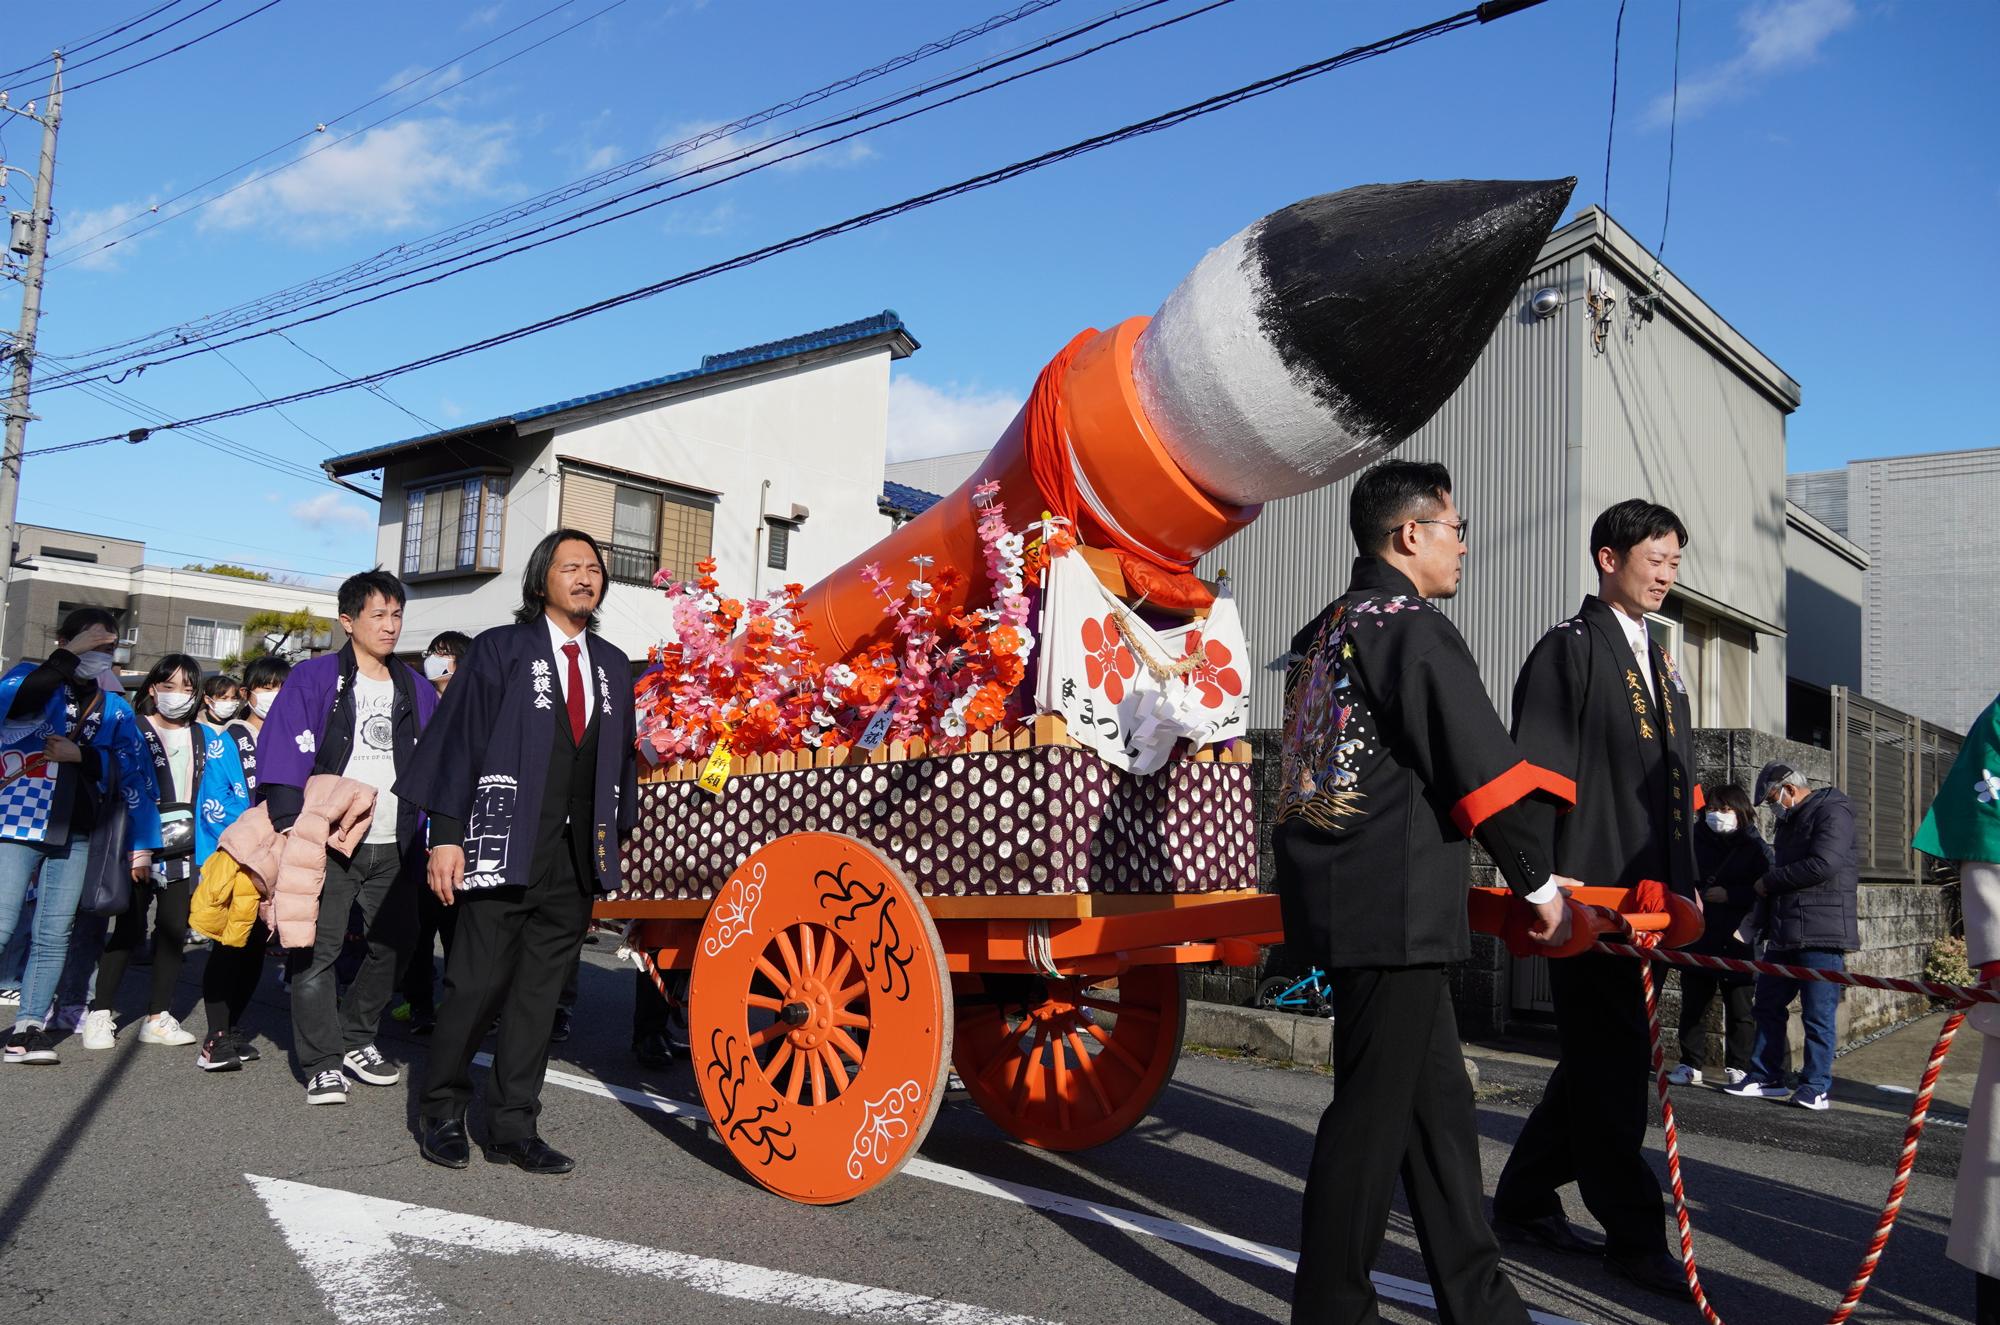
1128, 691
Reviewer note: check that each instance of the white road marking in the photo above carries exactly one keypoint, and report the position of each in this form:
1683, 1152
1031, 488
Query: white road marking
1389, 1286
354, 1248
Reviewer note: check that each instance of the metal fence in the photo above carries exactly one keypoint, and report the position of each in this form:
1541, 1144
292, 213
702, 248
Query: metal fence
1890, 764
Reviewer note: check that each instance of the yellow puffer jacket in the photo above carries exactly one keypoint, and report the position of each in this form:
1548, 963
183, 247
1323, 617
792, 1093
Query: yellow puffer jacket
224, 907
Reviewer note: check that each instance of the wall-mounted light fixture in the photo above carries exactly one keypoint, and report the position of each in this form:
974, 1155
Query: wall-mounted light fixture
1545, 302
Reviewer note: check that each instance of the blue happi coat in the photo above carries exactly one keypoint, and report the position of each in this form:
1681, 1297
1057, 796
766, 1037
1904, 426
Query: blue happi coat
35, 797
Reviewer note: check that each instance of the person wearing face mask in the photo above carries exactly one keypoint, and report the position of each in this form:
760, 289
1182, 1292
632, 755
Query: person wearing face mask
169, 698
221, 699
1730, 856
434, 918
230, 978
1811, 904
66, 744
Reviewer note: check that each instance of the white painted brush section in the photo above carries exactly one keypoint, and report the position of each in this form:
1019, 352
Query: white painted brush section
1237, 420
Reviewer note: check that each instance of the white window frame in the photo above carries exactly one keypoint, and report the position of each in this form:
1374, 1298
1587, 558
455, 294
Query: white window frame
215, 628
484, 543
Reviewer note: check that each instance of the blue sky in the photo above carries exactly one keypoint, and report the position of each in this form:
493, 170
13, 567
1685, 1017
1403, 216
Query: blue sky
1835, 191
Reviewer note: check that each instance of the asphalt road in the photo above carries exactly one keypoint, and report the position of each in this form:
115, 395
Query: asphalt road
136, 1188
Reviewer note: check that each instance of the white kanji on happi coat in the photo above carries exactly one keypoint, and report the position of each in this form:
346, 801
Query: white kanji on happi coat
1127, 691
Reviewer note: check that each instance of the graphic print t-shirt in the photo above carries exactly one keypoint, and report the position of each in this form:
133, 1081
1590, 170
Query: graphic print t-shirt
372, 759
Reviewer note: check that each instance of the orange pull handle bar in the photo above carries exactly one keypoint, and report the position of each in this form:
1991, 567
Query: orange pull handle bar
1594, 912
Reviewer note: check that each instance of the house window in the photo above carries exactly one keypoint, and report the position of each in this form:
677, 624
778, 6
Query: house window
643, 529
453, 527
67, 554
778, 554
212, 639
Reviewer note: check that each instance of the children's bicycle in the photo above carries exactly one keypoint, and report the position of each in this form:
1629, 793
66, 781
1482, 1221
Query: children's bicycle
1310, 996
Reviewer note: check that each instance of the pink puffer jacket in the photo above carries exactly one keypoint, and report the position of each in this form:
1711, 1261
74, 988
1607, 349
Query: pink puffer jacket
290, 868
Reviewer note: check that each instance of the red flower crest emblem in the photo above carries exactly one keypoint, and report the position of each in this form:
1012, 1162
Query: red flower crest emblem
1107, 662
1213, 676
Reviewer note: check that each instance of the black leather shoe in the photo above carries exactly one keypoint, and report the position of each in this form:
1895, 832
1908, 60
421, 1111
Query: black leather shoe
443, 1141
533, 1155
1655, 1271
653, 1051
560, 1031
1551, 1231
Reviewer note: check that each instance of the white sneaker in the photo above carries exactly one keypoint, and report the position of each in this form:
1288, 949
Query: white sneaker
100, 1030
1733, 1076
1684, 1074
1815, 1100
367, 1064
161, 1028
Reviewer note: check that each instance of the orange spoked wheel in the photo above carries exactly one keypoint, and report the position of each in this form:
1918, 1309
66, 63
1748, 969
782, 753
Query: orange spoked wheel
819, 1017
1065, 1064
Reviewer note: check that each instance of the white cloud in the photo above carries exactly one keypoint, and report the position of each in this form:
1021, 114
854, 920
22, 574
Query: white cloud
1779, 35
391, 178
482, 17
602, 158
701, 222
786, 156
925, 420
329, 512
77, 236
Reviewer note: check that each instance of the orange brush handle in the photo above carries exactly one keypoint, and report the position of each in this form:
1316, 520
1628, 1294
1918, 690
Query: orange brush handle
1594, 913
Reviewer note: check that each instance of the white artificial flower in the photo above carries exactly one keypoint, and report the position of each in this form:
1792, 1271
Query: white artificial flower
1027, 640
1011, 545
708, 602
952, 723
840, 676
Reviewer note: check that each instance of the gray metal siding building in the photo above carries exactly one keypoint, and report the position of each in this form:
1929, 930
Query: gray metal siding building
1927, 643
1561, 417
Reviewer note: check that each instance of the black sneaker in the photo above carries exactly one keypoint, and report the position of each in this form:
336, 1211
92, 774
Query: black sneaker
218, 1053
33, 1046
327, 1087
560, 1031
246, 1048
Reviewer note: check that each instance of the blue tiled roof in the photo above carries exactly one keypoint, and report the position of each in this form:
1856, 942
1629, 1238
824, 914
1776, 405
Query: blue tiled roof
903, 497
846, 333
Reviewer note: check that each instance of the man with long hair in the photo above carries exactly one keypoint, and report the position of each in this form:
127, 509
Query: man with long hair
531, 778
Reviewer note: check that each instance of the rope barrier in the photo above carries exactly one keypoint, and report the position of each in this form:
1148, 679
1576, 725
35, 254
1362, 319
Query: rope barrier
1645, 951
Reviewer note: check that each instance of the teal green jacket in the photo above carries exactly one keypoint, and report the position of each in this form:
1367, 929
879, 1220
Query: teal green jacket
1964, 820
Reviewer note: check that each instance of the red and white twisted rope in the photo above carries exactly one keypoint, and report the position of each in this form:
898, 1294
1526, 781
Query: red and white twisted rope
1645, 951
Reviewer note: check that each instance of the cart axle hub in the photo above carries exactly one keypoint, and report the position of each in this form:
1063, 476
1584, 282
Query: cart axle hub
796, 1014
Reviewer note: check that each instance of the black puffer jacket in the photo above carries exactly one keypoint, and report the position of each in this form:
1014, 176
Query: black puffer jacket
1733, 862
1812, 894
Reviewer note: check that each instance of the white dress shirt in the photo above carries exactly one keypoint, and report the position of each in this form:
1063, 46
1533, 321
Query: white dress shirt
556, 641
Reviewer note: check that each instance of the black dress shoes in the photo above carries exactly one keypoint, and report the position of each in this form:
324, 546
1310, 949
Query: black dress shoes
533, 1155
1656, 1271
1551, 1231
560, 1030
653, 1050
443, 1141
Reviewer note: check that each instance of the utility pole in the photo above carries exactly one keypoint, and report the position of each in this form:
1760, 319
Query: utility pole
36, 241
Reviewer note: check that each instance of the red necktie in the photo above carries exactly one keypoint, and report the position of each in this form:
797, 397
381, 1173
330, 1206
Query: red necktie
577, 720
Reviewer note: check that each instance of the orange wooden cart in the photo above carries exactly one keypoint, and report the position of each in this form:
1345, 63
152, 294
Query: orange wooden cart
857, 923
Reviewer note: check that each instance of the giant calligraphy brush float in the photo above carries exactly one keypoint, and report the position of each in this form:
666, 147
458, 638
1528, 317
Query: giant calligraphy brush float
861, 913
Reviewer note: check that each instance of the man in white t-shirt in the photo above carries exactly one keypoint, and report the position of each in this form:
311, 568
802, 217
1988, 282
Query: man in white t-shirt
356, 714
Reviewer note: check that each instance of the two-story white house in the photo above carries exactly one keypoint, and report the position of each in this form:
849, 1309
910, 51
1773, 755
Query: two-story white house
769, 459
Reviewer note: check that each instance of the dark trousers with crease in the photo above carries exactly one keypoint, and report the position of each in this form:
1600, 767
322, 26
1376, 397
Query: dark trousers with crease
511, 953
1985, 1299
1590, 1127
1402, 1105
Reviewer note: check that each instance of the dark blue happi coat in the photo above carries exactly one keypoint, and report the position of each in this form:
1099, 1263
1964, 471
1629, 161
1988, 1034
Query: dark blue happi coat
483, 761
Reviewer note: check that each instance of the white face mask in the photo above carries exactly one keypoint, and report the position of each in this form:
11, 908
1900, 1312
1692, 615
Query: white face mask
93, 665
1722, 821
437, 666
225, 709
261, 701
174, 707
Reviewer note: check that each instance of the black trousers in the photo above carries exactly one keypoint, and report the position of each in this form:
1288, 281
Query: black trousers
128, 931
230, 979
435, 921
1986, 1300
1590, 1127
1402, 1104
512, 952
1698, 990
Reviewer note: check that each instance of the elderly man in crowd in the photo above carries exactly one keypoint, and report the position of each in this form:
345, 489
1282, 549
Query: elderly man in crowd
1809, 902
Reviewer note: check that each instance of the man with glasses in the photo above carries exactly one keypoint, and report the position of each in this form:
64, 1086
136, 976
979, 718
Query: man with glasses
1601, 703
1393, 757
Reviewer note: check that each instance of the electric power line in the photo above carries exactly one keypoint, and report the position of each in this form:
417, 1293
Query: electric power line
1611, 126
313, 132
172, 50
1486, 12
373, 389
1673, 125
102, 34
554, 197
522, 243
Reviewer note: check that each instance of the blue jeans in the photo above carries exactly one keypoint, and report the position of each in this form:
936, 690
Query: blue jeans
56, 897
1818, 1001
